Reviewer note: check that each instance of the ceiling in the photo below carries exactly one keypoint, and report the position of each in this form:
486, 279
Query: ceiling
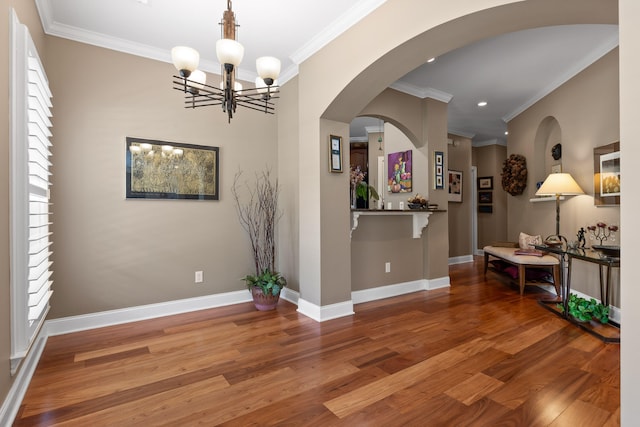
510, 72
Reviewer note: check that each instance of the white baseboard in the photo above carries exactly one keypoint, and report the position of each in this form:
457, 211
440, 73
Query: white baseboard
460, 259
12, 402
101, 319
325, 312
381, 292
290, 295
389, 291
442, 282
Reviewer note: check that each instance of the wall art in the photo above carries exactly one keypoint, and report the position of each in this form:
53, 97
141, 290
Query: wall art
485, 183
170, 170
606, 175
455, 186
438, 168
399, 172
335, 153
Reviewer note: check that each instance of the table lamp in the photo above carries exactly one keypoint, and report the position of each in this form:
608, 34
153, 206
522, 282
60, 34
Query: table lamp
559, 184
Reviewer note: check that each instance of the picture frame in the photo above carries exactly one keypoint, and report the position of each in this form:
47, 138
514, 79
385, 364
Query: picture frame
455, 186
485, 183
485, 197
438, 168
485, 208
399, 172
335, 153
171, 170
606, 175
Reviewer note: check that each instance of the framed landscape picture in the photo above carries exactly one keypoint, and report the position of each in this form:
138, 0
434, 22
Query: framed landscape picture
485, 183
485, 197
170, 170
606, 175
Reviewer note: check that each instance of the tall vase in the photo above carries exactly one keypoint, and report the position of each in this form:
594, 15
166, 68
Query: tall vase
354, 197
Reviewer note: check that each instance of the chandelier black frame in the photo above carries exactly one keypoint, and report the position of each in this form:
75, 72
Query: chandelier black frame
204, 95
230, 94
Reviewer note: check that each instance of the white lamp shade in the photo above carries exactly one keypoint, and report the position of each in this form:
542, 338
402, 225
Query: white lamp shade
268, 67
185, 58
559, 184
197, 79
229, 52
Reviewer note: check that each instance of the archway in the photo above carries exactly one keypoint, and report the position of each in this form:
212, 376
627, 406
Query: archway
335, 86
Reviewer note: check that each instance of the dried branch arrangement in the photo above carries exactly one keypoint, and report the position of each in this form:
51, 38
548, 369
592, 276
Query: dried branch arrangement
258, 213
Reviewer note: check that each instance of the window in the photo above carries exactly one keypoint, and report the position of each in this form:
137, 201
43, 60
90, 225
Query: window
30, 215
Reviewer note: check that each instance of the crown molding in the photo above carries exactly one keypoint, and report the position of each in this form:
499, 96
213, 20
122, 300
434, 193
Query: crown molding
352, 16
374, 129
125, 46
461, 133
359, 139
489, 142
420, 92
598, 52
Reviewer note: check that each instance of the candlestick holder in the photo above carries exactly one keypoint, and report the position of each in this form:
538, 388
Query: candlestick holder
602, 232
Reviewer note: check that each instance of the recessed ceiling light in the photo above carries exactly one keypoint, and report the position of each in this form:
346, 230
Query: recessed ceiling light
482, 104
431, 60
506, 133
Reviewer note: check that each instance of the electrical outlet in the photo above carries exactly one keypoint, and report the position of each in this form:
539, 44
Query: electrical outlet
387, 267
199, 277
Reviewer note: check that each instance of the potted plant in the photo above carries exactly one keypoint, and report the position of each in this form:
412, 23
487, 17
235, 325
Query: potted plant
584, 310
258, 214
360, 188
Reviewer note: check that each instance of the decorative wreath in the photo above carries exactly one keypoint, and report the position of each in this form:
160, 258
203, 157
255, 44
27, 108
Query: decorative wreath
514, 174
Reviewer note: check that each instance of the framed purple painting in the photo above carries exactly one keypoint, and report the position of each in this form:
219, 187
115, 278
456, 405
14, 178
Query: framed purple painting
399, 172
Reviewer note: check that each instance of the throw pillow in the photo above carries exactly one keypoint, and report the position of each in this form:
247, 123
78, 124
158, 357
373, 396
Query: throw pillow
526, 241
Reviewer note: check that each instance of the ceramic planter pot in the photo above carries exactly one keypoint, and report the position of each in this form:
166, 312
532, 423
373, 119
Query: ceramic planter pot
264, 302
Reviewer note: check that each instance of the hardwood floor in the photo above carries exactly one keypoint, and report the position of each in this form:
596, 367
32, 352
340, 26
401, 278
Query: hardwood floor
476, 354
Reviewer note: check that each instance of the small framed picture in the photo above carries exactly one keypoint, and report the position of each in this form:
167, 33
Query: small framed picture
335, 153
438, 178
455, 186
485, 183
485, 197
485, 208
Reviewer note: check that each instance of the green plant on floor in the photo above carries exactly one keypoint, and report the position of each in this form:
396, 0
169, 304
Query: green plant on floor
271, 283
586, 309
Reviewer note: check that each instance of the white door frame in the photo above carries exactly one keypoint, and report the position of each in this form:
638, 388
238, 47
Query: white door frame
474, 211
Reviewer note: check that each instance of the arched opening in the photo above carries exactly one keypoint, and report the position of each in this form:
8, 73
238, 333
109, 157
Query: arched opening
427, 30
548, 135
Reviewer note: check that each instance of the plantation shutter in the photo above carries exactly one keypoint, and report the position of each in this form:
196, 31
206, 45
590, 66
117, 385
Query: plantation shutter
30, 180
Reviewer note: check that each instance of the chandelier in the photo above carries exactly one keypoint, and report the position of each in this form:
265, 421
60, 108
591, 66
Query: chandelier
230, 93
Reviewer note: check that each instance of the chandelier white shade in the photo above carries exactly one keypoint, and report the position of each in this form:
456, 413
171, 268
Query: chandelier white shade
268, 68
229, 52
185, 59
230, 93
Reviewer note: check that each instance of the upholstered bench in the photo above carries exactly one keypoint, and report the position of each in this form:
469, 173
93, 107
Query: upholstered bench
523, 263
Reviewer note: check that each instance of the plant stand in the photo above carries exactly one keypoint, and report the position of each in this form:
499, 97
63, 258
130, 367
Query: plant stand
264, 302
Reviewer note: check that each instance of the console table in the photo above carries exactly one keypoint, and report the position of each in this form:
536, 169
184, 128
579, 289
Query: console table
605, 264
